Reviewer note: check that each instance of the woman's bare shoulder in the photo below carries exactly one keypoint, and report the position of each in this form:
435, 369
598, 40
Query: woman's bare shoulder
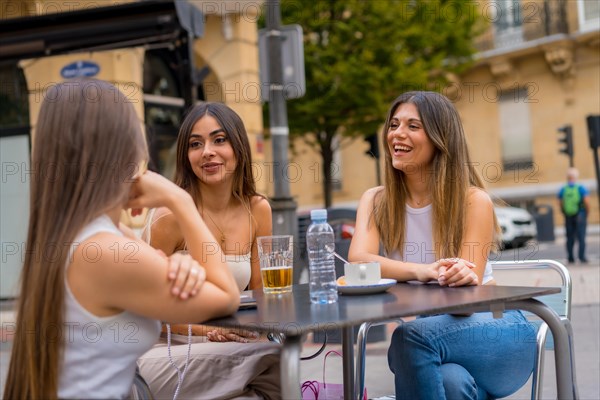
164, 219
478, 197
260, 204
371, 194
166, 234
262, 215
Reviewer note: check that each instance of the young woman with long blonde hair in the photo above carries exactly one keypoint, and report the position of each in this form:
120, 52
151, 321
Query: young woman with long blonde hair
436, 224
91, 297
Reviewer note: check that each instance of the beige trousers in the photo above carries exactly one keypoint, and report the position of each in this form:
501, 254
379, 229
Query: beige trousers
216, 370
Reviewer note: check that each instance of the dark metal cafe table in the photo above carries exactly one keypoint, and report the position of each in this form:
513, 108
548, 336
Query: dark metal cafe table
293, 314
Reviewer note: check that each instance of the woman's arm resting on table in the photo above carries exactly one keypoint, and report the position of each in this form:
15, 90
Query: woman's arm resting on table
478, 240
365, 246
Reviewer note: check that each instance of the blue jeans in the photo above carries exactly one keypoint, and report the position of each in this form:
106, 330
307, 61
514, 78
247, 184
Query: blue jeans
575, 227
453, 357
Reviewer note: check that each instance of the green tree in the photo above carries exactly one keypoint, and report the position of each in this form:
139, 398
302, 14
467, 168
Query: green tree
360, 55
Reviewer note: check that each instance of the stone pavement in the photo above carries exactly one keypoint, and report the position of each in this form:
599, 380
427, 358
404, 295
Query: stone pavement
379, 380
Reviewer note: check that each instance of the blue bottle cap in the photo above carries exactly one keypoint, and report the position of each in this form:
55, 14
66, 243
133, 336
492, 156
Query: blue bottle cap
318, 214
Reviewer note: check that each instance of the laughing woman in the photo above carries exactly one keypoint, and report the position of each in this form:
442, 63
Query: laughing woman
436, 223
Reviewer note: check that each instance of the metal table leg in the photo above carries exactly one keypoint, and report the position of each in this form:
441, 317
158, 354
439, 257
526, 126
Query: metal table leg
348, 354
290, 367
361, 355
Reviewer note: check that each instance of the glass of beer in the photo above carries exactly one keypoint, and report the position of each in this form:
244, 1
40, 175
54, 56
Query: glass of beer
276, 255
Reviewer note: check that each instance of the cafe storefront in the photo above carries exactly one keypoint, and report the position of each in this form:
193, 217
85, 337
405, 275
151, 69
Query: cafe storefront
163, 55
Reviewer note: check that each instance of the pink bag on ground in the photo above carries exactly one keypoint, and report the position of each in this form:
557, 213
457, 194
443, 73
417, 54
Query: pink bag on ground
315, 390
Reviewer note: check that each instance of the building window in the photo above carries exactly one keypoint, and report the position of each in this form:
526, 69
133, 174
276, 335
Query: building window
16, 174
515, 130
14, 102
589, 14
163, 108
508, 24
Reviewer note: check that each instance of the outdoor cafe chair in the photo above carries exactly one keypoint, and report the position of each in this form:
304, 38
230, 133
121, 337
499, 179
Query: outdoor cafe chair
560, 303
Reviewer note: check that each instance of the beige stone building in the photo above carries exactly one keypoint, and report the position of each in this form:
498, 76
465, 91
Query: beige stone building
538, 68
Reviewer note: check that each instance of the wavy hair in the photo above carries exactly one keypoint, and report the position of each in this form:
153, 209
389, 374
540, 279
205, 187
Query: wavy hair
87, 146
244, 186
451, 176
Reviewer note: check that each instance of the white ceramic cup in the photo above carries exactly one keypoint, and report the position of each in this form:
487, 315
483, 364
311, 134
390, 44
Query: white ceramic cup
362, 273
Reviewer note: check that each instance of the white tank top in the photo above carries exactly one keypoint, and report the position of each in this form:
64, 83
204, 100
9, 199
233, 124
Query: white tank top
239, 265
100, 353
418, 246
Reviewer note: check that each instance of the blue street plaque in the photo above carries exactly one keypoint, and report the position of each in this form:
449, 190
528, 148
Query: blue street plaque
80, 69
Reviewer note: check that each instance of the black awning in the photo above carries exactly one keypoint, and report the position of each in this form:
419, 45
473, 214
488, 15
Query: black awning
101, 28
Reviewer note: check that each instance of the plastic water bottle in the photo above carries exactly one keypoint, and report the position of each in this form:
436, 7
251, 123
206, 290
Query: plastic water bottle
320, 242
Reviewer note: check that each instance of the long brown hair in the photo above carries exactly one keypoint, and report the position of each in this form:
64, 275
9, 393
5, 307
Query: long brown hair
87, 146
452, 175
244, 186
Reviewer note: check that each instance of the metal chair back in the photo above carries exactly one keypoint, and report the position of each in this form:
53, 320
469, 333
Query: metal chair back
559, 302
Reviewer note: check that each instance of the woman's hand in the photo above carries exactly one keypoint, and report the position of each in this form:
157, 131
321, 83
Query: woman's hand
456, 272
428, 273
185, 272
187, 275
231, 335
153, 190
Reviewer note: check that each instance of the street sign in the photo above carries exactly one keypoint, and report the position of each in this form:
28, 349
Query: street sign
79, 69
292, 59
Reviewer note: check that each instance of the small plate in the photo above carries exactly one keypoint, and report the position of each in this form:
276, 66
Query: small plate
382, 286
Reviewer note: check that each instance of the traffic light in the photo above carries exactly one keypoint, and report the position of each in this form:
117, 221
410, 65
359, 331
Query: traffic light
593, 123
373, 146
566, 138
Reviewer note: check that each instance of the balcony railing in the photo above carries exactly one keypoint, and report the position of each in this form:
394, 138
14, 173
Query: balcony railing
532, 21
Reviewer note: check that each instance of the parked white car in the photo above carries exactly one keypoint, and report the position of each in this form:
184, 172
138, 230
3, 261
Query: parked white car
517, 224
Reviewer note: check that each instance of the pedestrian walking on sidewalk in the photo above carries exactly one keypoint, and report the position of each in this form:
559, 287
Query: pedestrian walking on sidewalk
575, 205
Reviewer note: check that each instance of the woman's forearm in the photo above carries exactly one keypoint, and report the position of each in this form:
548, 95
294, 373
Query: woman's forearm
202, 245
394, 269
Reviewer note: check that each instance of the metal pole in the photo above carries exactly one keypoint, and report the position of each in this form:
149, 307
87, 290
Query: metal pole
283, 205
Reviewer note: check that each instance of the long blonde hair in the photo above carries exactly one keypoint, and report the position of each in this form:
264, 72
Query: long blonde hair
87, 147
452, 176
